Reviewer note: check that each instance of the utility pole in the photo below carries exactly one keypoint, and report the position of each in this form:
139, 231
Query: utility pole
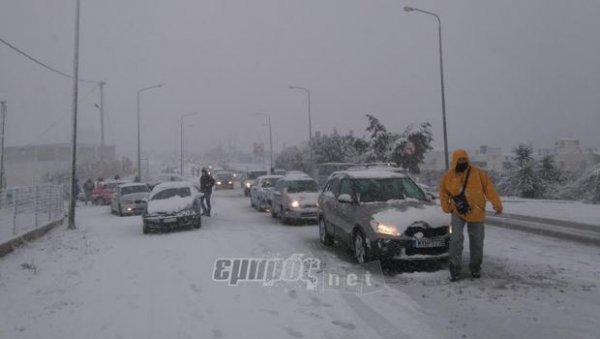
73, 185
101, 84
3, 108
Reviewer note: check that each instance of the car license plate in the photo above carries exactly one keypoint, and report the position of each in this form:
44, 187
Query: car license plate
429, 243
167, 220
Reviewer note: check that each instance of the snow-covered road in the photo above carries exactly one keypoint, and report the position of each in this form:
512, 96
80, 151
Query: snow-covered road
108, 280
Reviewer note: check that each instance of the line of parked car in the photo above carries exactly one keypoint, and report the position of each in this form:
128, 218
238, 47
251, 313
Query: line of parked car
165, 203
380, 213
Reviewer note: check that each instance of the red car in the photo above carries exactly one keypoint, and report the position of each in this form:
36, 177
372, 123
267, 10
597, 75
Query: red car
103, 193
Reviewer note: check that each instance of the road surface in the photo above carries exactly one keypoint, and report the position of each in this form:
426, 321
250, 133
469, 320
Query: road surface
108, 280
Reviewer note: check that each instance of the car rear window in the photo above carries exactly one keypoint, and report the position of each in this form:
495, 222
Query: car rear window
134, 189
299, 186
172, 192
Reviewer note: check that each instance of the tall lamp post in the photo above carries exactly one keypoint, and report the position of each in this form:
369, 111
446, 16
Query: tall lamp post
412, 9
73, 186
270, 139
139, 153
100, 107
181, 122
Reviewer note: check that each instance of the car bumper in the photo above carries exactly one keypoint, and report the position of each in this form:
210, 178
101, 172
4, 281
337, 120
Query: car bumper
407, 249
224, 186
302, 214
133, 209
171, 222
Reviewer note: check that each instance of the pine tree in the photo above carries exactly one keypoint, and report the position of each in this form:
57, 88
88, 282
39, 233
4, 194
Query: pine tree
522, 180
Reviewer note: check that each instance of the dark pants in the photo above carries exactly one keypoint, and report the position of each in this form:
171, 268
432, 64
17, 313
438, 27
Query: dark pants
205, 198
476, 235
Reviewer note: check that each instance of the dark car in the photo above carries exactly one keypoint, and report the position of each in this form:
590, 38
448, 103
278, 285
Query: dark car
172, 205
382, 215
224, 180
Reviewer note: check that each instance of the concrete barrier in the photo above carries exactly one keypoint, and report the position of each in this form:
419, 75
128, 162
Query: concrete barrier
9, 245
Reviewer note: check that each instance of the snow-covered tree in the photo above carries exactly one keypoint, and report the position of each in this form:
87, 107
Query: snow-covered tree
410, 148
381, 142
522, 181
586, 188
293, 158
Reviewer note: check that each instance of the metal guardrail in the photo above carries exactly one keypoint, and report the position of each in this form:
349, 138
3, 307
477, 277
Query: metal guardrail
23, 209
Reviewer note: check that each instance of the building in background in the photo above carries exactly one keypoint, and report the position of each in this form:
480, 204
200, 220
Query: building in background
570, 157
28, 165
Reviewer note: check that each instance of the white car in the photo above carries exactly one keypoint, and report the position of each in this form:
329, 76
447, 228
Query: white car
295, 198
129, 199
261, 193
173, 205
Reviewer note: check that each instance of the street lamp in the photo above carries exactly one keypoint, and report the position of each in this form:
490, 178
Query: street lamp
412, 9
73, 186
270, 139
100, 106
309, 119
181, 121
139, 153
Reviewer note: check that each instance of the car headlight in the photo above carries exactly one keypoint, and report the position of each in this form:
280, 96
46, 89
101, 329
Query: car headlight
230, 182
248, 185
218, 182
295, 204
385, 229
450, 229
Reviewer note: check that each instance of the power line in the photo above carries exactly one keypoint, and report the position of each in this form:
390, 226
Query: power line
43, 64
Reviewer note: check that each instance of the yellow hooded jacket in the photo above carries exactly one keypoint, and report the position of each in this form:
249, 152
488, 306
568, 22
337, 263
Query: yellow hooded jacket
479, 188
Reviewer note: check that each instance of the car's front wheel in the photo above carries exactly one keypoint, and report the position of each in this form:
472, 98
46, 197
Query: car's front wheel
324, 236
361, 252
146, 229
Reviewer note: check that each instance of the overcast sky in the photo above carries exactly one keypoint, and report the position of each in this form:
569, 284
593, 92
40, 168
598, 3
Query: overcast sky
516, 70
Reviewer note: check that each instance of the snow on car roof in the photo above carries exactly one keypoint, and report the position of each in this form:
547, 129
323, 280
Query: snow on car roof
172, 184
272, 176
372, 174
130, 184
297, 176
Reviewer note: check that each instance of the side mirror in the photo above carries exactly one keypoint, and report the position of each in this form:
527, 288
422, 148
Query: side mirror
345, 198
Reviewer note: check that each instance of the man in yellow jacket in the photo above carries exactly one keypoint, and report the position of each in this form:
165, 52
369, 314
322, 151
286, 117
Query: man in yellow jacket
477, 190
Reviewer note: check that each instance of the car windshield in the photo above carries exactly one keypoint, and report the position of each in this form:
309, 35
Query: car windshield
111, 185
298, 186
254, 175
172, 192
374, 190
224, 176
268, 183
134, 189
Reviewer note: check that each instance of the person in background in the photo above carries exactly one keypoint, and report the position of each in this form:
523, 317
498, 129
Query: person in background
88, 188
464, 190
206, 185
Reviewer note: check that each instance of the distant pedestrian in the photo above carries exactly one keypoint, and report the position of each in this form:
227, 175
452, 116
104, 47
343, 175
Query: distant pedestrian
206, 185
464, 190
88, 188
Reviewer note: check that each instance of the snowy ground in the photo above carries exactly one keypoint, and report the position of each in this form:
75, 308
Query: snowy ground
573, 211
108, 280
